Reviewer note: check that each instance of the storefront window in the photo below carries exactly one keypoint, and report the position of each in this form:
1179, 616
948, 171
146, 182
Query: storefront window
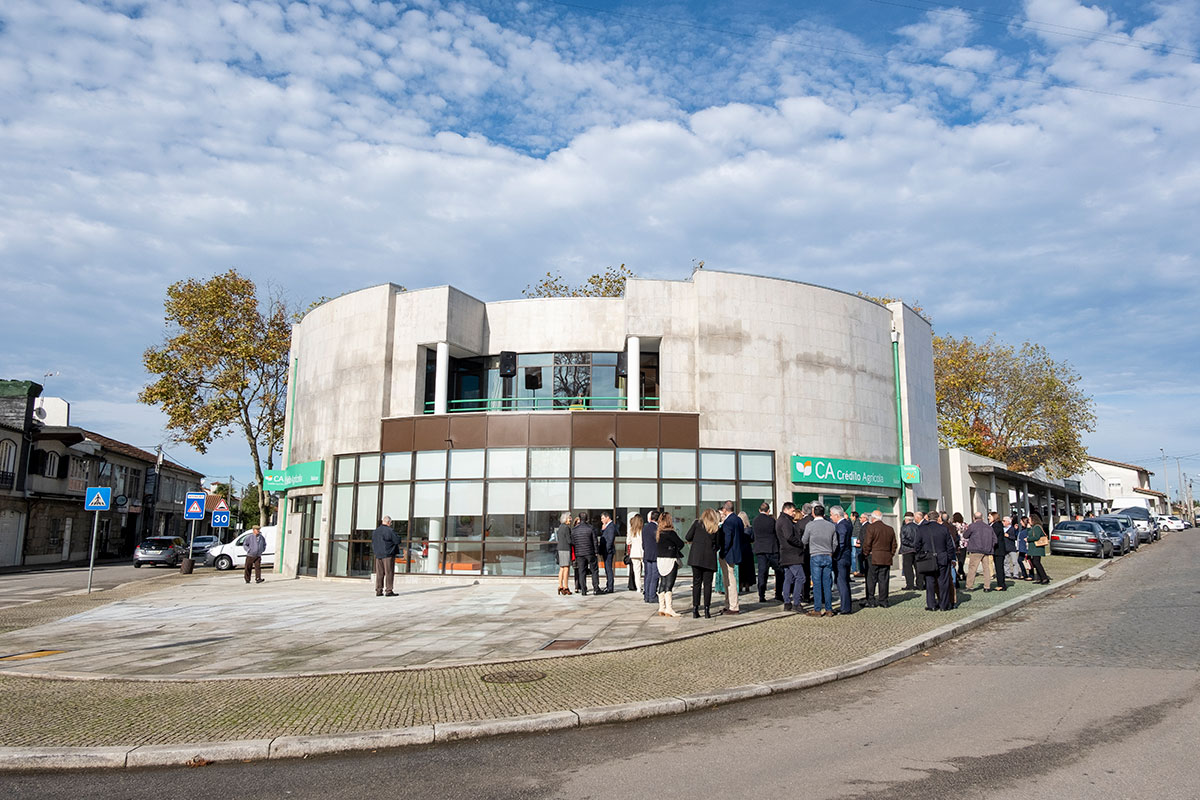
718, 465
431, 465
368, 468
549, 462
345, 469
637, 463
506, 463
466, 463
678, 464
756, 466
593, 463
397, 466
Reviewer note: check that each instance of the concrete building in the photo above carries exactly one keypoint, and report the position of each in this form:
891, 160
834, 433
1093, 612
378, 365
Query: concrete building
972, 482
45, 466
473, 425
1123, 482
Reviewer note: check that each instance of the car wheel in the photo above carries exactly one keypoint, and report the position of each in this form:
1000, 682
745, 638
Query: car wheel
224, 563
137, 565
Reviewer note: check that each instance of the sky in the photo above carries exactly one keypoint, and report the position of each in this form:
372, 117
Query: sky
1025, 169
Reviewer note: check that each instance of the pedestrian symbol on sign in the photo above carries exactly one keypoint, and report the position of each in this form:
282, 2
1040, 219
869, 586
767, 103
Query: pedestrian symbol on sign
98, 498
195, 508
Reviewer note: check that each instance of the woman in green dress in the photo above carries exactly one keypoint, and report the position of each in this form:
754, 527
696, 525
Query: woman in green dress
1037, 542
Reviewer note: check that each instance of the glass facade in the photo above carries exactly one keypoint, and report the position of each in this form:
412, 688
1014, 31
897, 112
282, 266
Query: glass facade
576, 381
495, 511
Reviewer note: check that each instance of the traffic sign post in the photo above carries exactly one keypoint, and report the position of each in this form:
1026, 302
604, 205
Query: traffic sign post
193, 509
97, 499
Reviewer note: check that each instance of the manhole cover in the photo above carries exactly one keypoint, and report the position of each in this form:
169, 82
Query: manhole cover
513, 676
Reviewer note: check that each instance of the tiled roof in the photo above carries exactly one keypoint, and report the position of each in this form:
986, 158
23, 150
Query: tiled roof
1140, 490
1133, 467
137, 452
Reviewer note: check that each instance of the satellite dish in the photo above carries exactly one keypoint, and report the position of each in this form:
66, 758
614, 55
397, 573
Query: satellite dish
39, 412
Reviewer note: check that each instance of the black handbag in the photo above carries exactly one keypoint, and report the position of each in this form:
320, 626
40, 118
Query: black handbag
632, 578
926, 563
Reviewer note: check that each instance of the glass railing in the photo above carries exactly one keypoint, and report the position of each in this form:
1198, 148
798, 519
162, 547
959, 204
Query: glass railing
591, 403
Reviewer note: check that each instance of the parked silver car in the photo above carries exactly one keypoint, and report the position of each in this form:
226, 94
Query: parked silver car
169, 550
1080, 538
1142, 520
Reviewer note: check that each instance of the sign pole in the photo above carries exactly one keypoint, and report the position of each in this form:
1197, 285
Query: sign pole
92, 556
192, 539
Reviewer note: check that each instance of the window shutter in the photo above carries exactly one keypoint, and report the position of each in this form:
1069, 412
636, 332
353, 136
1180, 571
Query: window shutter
64, 466
37, 462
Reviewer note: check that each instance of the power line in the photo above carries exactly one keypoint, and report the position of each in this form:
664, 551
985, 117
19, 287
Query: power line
1037, 26
861, 54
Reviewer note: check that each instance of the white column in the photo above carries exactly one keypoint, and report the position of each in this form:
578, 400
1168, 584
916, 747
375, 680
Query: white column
633, 369
441, 386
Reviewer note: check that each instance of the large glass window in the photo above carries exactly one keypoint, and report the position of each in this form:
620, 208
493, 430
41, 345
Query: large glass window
453, 520
593, 463
637, 463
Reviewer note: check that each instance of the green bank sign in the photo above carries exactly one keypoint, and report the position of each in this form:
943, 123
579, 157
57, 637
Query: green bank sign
310, 473
806, 469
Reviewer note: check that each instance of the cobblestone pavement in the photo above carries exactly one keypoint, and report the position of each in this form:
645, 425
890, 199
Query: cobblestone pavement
123, 712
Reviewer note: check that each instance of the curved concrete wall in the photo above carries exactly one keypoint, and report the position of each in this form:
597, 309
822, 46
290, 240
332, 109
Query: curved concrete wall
768, 363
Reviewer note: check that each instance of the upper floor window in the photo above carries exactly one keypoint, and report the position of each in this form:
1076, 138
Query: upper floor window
51, 468
8, 455
541, 382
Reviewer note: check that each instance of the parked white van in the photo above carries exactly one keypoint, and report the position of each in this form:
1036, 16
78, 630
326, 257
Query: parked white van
233, 554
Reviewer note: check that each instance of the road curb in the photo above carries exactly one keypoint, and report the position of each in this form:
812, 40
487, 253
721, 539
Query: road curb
43, 758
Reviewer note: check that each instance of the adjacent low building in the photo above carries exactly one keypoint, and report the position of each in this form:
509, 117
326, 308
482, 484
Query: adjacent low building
473, 425
46, 464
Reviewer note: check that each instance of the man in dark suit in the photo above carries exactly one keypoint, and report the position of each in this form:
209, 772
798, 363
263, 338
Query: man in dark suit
650, 557
791, 557
843, 558
732, 531
932, 537
608, 547
806, 516
1000, 550
879, 546
583, 539
766, 552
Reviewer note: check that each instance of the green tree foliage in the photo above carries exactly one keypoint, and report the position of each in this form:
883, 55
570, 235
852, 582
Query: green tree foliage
883, 300
1017, 405
610, 283
249, 513
223, 367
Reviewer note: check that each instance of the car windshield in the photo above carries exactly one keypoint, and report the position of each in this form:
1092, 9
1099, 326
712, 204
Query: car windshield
1109, 525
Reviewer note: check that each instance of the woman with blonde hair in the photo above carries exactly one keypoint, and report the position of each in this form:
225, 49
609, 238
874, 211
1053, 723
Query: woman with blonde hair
670, 549
702, 558
562, 540
635, 551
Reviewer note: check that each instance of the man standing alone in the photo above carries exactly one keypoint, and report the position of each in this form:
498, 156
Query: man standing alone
879, 545
385, 545
256, 545
766, 552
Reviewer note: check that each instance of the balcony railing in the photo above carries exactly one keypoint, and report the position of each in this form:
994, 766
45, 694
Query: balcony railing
544, 404
7, 479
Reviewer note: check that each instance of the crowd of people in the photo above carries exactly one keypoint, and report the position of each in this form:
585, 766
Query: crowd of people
810, 550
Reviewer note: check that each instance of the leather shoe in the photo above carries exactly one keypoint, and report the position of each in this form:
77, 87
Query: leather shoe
390, 594
812, 613
729, 611
787, 606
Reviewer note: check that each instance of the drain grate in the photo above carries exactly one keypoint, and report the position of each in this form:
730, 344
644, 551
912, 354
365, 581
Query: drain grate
567, 644
32, 654
513, 676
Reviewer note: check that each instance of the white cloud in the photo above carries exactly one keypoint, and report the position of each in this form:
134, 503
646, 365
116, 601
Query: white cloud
325, 152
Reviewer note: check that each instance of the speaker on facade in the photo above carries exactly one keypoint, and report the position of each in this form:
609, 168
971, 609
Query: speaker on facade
533, 378
508, 364
623, 364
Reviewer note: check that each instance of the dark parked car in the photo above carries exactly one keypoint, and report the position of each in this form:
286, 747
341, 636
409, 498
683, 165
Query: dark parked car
1080, 538
201, 544
1127, 527
1116, 531
169, 550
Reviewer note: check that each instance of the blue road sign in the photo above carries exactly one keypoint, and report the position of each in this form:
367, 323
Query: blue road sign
97, 498
220, 519
193, 505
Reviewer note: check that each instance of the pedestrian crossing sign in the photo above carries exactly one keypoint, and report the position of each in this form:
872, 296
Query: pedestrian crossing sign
97, 498
193, 505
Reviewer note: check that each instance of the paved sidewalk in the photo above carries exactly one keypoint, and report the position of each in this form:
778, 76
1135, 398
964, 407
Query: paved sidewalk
126, 713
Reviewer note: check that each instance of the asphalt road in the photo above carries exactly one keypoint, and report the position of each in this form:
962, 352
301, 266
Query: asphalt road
1094, 692
18, 588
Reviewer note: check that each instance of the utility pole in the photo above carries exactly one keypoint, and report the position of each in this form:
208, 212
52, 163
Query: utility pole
1179, 472
1166, 480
